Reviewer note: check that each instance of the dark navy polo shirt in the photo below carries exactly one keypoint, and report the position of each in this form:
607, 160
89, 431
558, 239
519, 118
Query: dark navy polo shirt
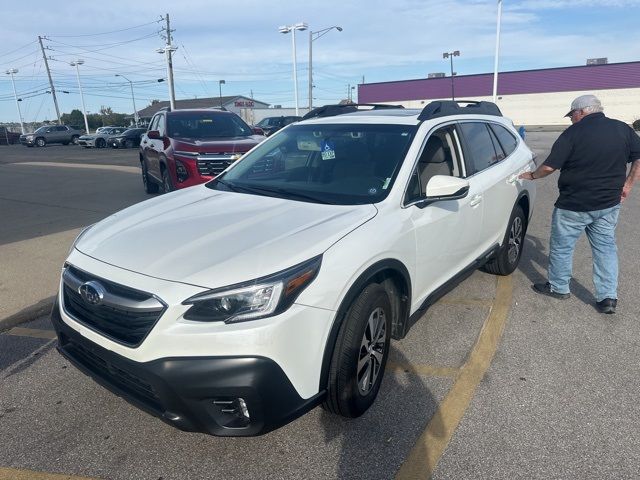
592, 157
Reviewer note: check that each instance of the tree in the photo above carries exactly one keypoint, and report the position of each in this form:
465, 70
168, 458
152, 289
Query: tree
73, 118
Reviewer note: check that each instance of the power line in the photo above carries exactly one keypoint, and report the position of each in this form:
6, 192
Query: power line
105, 33
106, 46
17, 49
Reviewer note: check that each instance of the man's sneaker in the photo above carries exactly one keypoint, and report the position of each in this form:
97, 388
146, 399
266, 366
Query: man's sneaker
545, 289
608, 305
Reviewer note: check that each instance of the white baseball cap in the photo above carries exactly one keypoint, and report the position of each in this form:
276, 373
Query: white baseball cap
584, 101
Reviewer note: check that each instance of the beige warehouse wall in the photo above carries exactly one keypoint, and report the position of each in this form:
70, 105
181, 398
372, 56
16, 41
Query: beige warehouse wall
549, 108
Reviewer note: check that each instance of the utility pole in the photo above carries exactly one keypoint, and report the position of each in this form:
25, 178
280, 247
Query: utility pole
168, 50
495, 65
11, 72
53, 90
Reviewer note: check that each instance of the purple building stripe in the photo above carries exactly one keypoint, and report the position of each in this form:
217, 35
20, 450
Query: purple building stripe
566, 79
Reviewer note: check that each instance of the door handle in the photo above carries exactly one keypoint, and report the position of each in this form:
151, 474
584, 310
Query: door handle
475, 200
512, 179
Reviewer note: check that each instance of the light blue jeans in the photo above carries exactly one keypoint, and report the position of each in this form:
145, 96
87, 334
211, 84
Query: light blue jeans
600, 226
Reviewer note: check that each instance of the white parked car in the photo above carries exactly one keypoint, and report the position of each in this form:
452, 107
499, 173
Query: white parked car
99, 139
236, 306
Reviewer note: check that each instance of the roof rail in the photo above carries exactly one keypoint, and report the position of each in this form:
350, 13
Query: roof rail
443, 108
340, 109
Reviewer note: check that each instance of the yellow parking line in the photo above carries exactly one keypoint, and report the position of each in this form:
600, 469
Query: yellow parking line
32, 332
425, 454
424, 369
15, 474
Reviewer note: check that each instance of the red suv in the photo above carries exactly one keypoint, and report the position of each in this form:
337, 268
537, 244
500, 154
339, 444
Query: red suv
182, 148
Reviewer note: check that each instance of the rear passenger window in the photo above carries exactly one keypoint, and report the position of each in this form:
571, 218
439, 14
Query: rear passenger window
479, 151
506, 139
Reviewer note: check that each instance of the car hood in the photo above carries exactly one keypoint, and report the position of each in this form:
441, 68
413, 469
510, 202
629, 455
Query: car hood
88, 137
226, 144
212, 239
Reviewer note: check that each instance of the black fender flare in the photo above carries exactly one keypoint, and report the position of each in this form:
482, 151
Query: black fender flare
374, 273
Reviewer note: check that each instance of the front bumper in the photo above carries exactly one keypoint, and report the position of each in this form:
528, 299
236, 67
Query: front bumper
87, 142
25, 141
192, 393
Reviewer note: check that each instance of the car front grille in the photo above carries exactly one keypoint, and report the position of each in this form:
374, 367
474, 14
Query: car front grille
114, 375
124, 315
214, 164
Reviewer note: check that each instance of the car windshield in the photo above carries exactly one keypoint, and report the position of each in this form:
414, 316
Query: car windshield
268, 122
132, 132
205, 125
342, 164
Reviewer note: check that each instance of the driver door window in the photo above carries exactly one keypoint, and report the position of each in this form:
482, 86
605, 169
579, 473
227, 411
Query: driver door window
440, 156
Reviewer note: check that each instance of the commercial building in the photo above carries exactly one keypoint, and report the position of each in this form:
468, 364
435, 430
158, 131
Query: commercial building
236, 104
528, 97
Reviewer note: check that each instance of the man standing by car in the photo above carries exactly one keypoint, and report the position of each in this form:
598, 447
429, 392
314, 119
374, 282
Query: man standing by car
592, 157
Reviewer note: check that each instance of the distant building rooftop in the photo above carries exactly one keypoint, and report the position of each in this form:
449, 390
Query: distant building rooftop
562, 79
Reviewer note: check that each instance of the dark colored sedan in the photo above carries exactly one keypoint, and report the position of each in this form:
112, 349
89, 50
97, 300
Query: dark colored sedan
127, 139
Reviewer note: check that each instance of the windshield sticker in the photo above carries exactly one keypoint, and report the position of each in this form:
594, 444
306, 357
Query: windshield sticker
328, 151
386, 183
373, 191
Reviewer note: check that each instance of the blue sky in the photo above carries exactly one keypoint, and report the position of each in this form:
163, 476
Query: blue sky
238, 41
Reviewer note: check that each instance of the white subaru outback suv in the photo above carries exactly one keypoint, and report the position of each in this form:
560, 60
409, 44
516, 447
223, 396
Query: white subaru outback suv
234, 307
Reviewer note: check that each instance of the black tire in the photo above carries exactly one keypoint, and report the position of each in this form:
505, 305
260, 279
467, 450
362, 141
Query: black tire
128, 144
360, 354
100, 143
40, 142
167, 184
509, 255
65, 143
74, 139
149, 185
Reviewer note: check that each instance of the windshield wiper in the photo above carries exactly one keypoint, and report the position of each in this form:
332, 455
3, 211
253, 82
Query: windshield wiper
281, 192
231, 187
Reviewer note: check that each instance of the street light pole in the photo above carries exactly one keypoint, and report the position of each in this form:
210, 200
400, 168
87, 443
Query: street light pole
133, 98
77, 64
11, 71
292, 28
317, 34
220, 83
450, 55
495, 65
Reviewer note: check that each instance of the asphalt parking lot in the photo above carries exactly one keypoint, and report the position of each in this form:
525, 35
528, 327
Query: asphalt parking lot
493, 382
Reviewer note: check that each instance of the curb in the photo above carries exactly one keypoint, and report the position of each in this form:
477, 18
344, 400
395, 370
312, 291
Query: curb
43, 307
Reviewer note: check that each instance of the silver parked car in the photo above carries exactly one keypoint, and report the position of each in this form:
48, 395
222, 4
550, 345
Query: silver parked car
99, 139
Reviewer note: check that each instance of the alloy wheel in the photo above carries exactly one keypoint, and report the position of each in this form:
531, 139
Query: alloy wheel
371, 351
515, 240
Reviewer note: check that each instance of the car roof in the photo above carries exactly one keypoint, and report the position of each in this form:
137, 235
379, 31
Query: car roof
434, 112
216, 111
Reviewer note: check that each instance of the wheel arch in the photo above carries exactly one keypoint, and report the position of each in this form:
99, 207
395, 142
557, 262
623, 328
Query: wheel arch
525, 202
395, 279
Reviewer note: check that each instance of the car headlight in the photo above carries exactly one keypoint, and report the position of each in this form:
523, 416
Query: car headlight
29, 137
252, 300
75, 242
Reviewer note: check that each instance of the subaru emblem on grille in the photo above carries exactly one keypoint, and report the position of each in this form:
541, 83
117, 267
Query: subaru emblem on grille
92, 292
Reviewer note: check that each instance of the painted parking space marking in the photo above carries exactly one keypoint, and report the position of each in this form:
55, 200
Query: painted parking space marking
31, 332
425, 454
119, 168
15, 474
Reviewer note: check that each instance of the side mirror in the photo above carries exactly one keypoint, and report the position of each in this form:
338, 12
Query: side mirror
153, 134
443, 187
258, 131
